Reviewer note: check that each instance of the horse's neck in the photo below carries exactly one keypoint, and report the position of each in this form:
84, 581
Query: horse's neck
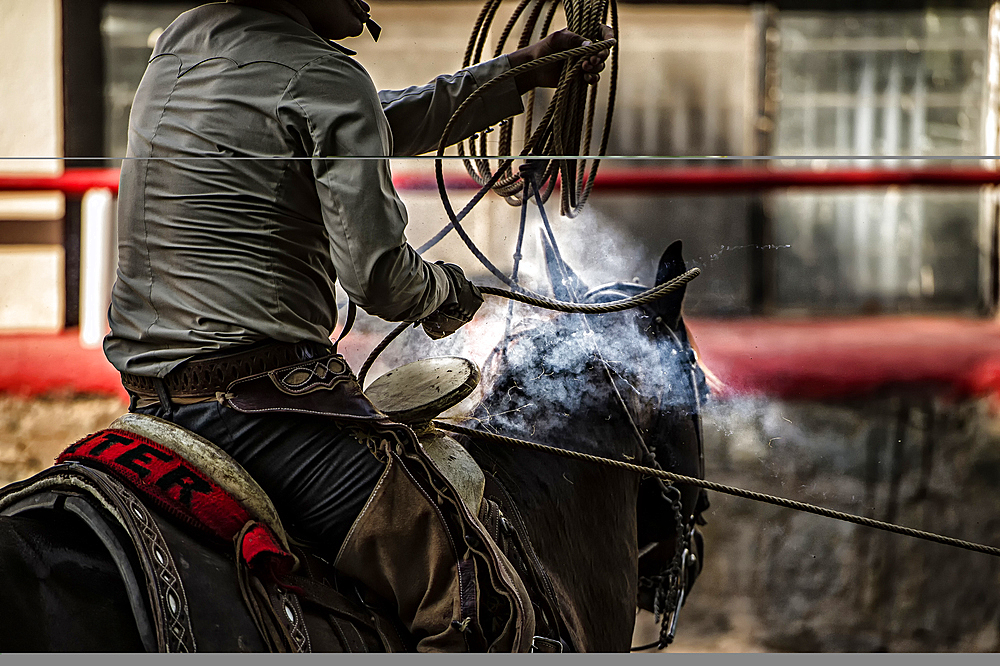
580, 518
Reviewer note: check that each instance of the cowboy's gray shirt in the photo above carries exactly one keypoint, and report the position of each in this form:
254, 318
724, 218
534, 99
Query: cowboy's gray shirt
216, 252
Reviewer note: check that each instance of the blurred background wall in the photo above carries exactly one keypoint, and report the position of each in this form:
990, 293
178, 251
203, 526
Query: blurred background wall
797, 79
804, 80
31, 109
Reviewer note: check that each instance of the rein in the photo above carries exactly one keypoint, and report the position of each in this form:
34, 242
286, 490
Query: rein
720, 488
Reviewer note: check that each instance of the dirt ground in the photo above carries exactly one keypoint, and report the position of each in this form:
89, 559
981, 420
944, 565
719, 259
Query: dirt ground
33, 432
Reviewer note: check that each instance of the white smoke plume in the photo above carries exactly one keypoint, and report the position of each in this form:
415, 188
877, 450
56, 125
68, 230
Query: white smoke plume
550, 360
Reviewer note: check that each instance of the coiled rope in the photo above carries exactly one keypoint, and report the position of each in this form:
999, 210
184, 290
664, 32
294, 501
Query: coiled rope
566, 125
565, 128
503, 178
720, 488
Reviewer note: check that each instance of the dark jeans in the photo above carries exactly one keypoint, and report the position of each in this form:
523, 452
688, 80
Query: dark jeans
317, 474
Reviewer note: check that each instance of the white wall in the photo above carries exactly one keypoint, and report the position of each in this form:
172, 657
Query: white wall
30, 84
31, 275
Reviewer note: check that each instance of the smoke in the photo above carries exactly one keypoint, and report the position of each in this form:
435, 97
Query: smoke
597, 248
558, 369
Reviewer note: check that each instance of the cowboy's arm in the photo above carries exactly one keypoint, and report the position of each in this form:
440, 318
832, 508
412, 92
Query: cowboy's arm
343, 130
418, 114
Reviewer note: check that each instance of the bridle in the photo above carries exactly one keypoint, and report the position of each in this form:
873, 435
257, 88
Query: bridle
671, 583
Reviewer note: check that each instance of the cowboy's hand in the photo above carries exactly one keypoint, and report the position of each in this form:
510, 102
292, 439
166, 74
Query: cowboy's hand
463, 301
547, 76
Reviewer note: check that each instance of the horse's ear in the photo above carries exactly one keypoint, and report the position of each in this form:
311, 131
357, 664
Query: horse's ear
671, 265
566, 285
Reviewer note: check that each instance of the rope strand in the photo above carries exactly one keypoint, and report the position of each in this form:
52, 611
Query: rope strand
728, 490
645, 297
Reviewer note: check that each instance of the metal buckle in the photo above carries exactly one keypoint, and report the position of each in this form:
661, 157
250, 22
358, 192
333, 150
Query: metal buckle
688, 558
542, 644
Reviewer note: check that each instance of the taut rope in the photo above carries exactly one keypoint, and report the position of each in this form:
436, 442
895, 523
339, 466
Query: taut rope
645, 297
728, 490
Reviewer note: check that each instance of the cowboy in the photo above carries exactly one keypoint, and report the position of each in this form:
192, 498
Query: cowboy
258, 176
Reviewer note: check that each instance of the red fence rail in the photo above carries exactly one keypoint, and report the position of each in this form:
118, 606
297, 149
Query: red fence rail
76, 181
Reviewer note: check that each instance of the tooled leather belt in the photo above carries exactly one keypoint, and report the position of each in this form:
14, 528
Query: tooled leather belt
203, 377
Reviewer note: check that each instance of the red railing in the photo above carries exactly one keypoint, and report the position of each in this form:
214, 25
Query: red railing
72, 182
76, 181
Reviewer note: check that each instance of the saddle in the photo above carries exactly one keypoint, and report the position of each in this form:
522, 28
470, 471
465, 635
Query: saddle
171, 507
187, 547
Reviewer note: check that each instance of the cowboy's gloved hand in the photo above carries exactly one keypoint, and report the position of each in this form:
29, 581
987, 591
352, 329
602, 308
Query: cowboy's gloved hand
458, 309
547, 76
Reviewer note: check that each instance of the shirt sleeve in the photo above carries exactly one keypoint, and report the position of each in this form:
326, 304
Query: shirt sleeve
333, 106
418, 115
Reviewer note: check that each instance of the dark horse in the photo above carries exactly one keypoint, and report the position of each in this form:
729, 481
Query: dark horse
622, 386
625, 386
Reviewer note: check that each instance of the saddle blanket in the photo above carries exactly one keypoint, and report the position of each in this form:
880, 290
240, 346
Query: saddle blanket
181, 490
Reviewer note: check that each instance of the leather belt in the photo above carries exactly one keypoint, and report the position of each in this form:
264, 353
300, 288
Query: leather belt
204, 376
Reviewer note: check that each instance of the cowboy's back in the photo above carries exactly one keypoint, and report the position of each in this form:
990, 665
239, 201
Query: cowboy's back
244, 199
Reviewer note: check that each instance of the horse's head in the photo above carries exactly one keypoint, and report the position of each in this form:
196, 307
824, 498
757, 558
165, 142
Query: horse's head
624, 386
669, 393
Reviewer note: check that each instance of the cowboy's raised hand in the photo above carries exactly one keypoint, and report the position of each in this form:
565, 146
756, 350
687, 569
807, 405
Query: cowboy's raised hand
547, 76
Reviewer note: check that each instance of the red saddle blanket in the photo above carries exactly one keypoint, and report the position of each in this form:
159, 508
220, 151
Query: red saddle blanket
183, 491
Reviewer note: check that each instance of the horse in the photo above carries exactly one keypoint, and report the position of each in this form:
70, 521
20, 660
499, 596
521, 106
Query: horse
629, 380
593, 541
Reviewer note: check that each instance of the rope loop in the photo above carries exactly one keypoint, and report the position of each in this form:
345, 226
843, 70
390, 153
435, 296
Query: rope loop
566, 126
